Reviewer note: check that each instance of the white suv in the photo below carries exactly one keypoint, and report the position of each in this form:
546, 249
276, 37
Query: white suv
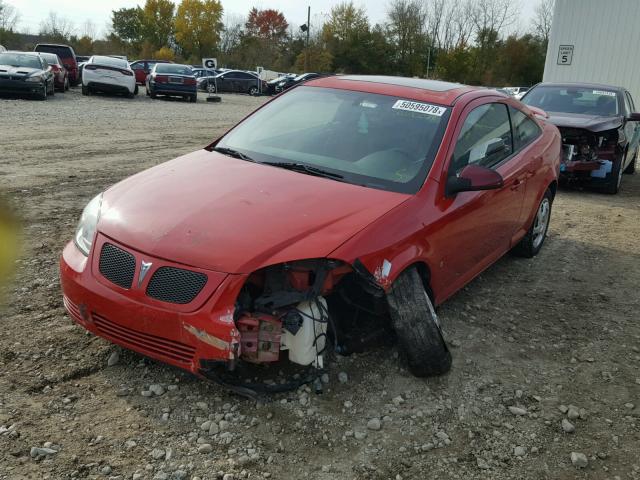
108, 75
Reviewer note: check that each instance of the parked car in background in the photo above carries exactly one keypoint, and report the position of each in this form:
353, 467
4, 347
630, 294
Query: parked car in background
82, 58
292, 82
273, 85
108, 75
60, 74
599, 127
234, 81
172, 80
26, 73
516, 92
142, 68
391, 193
68, 57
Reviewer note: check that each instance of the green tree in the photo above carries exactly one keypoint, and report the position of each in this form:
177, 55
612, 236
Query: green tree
347, 37
128, 24
158, 25
198, 26
406, 32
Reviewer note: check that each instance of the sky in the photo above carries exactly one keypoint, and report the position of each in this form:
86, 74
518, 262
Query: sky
32, 12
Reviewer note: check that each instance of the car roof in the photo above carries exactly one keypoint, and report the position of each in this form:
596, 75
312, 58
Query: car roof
443, 93
580, 84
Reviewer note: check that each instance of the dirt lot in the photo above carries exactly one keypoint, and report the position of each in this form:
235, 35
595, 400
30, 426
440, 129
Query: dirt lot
534, 335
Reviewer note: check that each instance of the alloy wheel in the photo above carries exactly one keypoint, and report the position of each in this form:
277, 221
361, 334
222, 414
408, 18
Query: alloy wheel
541, 222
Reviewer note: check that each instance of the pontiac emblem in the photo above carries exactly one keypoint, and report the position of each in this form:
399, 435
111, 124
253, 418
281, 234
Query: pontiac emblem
144, 269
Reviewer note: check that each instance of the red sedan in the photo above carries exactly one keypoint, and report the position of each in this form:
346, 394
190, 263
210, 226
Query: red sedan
60, 74
348, 204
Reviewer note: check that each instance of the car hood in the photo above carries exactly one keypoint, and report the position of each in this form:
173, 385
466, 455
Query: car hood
215, 212
593, 123
23, 71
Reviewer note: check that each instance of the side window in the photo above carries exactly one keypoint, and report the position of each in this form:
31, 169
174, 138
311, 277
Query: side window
485, 138
628, 102
525, 130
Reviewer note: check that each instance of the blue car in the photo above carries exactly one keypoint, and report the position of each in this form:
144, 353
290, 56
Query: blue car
172, 80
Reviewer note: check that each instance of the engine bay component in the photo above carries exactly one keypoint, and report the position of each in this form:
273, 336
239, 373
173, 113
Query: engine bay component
308, 343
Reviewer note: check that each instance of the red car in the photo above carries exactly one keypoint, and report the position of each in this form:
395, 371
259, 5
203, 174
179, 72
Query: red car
142, 68
68, 57
377, 195
60, 75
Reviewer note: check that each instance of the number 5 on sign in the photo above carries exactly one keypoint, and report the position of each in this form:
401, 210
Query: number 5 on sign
565, 54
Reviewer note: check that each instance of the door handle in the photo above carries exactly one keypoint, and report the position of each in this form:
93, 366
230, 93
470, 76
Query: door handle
516, 184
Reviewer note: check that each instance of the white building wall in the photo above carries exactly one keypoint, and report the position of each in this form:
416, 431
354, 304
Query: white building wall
605, 35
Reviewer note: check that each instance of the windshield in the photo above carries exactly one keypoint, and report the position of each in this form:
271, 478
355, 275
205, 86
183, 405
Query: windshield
110, 61
587, 101
172, 68
368, 139
51, 58
20, 60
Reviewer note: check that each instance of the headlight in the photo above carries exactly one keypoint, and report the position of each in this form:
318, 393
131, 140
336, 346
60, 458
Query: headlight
35, 79
86, 230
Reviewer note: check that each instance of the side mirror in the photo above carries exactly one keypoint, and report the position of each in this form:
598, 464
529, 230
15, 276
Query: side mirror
634, 117
474, 178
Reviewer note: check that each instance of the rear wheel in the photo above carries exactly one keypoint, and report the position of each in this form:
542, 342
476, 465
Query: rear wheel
211, 88
532, 242
416, 325
66, 84
193, 98
253, 91
135, 90
85, 90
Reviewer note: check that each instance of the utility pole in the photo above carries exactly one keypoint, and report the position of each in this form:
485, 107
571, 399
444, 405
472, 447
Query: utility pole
428, 60
306, 54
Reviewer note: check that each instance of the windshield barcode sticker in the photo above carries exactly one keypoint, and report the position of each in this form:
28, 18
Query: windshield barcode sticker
604, 92
419, 107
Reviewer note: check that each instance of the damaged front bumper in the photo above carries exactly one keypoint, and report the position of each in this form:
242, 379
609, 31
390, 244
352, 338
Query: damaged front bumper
188, 336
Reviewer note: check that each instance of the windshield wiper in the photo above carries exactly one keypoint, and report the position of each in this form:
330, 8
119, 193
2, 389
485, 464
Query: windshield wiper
233, 153
308, 169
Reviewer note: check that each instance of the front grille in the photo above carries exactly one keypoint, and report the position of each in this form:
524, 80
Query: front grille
117, 266
175, 285
135, 340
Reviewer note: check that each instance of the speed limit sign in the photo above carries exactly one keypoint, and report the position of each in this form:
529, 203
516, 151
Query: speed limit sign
210, 63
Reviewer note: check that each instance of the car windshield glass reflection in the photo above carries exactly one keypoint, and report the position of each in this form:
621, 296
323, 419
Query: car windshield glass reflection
18, 60
367, 139
587, 101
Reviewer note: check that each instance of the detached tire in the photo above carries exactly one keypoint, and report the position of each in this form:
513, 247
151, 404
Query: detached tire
532, 242
416, 325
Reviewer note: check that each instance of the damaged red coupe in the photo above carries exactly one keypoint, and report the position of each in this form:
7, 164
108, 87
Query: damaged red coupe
340, 211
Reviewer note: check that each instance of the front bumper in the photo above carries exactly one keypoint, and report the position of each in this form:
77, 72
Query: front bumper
20, 87
187, 336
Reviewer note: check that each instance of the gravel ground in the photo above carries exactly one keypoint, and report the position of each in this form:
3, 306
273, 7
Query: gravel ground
545, 381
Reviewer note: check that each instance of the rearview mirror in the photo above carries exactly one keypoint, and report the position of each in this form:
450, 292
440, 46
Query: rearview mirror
634, 117
474, 178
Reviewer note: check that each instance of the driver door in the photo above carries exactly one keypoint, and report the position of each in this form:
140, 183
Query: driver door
476, 228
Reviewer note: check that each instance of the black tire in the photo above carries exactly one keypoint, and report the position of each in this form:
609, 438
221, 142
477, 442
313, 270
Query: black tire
66, 84
612, 186
210, 88
153, 95
43, 95
254, 91
85, 90
631, 168
193, 98
416, 325
135, 90
532, 243
52, 92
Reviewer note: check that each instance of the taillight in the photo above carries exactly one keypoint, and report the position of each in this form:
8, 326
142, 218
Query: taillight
190, 81
128, 73
161, 79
